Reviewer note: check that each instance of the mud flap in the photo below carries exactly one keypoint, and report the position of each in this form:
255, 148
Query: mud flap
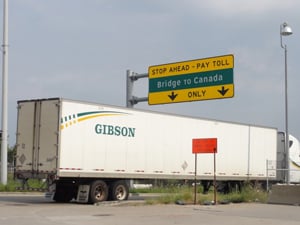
83, 193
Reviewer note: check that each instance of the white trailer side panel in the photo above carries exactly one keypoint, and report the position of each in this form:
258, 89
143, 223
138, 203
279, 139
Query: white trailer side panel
262, 144
104, 141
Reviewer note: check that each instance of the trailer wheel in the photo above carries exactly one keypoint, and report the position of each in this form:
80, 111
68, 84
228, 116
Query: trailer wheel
99, 191
119, 191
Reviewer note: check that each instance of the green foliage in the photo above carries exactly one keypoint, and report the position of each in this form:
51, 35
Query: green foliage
186, 196
170, 194
171, 198
13, 184
167, 189
11, 154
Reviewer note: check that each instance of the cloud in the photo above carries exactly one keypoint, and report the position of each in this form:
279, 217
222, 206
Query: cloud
244, 8
82, 49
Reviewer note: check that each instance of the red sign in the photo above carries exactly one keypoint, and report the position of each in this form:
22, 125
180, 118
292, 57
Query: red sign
205, 145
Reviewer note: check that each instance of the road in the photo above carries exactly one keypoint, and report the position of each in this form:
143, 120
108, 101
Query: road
34, 209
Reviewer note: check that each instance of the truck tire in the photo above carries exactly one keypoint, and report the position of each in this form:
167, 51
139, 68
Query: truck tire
119, 191
98, 191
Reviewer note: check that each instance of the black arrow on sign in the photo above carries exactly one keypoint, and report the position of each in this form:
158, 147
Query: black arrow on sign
223, 91
173, 96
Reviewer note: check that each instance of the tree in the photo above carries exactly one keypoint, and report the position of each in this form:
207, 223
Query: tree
11, 154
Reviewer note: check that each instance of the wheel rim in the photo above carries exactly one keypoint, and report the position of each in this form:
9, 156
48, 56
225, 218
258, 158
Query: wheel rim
99, 193
120, 193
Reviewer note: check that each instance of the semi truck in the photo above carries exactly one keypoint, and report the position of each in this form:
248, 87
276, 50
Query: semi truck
89, 152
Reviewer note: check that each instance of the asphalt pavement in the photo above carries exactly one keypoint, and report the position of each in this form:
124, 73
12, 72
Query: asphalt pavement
31, 209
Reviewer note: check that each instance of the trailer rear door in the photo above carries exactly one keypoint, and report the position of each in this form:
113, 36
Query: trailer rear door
37, 136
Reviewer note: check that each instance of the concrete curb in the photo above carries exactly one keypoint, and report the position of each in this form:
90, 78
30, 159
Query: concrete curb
285, 194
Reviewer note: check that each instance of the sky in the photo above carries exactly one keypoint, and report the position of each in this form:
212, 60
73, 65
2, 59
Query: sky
81, 49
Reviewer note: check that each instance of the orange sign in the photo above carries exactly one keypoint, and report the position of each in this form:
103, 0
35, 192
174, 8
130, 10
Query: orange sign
205, 145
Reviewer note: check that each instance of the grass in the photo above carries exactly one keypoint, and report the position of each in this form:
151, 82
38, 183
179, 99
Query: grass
168, 195
10, 186
185, 195
13, 185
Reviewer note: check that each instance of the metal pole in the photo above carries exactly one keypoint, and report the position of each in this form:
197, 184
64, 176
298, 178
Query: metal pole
267, 174
285, 30
4, 94
130, 78
129, 89
286, 120
215, 179
195, 182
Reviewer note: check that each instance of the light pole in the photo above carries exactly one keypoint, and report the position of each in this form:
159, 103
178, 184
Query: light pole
4, 94
285, 30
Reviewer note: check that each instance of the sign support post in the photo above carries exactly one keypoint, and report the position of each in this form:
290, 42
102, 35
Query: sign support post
205, 145
215, 179
195, 182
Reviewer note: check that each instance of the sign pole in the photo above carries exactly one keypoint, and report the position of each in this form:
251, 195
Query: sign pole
205, 145
195, 182
215, 179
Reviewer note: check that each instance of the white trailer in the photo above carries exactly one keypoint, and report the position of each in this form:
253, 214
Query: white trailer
88, 149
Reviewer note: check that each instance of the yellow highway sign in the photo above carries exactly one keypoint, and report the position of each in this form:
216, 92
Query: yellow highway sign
195, 80
192, 66
193, 94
